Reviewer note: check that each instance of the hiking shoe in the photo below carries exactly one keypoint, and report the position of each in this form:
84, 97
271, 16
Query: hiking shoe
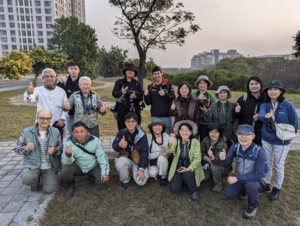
91, 181
267, 189
37, 188
218, 187
70, 191
251, 212
274, 196
243, 197
125, 185
163, 182
195, 196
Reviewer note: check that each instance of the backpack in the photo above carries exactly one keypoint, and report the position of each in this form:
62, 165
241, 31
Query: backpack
254, 155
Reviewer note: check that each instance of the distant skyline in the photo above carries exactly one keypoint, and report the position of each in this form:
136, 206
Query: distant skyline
253, 28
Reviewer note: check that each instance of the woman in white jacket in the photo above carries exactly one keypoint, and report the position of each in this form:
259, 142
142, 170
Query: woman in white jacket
158, 157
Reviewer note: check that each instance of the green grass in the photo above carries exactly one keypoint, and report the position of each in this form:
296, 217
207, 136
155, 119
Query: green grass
29, 218
110, 204
96, 84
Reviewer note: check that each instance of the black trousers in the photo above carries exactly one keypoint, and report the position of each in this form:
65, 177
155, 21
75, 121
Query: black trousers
178, 179
120, 120
94, 131
203, 132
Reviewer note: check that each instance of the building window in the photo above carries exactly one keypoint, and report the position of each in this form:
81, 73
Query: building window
49, 33
48, 11
40, 33
28, 10
1, 2
28, 25
12, 33
30, 40
37, 3
26, 3
13, 40
47, 3
39, 18
14, 47
3, 39
23, 25
48, 26
48, 18
30, 47
39, 25
22, 18
3, 32
28, 18
55, 6
2, 17
10, 10
12, 25
38, 11
40, 40
5, 47
9, 2
25, 47
2, 9
2, 25
11, 17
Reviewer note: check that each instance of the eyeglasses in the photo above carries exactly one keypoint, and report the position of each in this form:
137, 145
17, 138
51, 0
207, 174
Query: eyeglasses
130, 121
79, 132
185, 131
47, 77
45, 119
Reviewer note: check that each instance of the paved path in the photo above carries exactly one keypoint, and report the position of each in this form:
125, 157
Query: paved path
18, 205
4, 86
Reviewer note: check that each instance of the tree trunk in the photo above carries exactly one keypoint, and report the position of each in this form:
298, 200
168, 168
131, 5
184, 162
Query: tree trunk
35, 80
141, 70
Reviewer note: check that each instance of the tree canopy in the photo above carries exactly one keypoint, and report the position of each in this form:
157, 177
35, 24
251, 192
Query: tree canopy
78, 41
296, 47
152, 24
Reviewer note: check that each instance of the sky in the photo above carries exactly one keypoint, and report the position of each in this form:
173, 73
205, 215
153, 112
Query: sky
252, 27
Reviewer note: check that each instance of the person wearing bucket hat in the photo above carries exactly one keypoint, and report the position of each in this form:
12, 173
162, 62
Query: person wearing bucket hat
250, 168
158, 158
160, 95
279, 110
221, 112
128, 93
184, 107
248, 106
186, 166
204, 99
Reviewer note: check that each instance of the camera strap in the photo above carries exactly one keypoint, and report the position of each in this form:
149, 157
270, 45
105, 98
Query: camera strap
162, 140
90, 98
83, 149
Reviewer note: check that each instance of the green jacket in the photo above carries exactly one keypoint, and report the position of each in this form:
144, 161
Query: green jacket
195, 158
216, 115
208, 96
33, 159
85, 161
220, 145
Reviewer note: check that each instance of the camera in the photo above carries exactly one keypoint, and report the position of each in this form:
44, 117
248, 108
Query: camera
270, 126
203, 103
153, 162
182, 163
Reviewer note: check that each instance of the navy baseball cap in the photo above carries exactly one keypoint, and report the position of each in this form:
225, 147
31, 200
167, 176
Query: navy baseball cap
245, 128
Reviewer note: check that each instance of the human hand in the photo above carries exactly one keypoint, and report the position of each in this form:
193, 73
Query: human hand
201, 96
183, 170
238, 108
171, 139
210, 153
256, 116
133, 96
68, 149
158, 140
204, 109
269, 115
232, 180
222, 155
173, 106
67, 105
103, 108
146, 92
51, 150
123, 90
62, 78
104, 178
30, 89
141, 175
208, 160
30, 145
161, 92
60, 123
123, 144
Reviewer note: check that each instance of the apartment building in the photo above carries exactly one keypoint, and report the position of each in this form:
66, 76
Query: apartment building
24, 22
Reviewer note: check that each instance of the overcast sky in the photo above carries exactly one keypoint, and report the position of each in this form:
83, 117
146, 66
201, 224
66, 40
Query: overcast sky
255, 27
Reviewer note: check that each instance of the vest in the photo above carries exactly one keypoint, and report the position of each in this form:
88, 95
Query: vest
91, 120
33, 159
191, 111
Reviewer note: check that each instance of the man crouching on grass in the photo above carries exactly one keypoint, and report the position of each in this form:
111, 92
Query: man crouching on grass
250, 168
83, 155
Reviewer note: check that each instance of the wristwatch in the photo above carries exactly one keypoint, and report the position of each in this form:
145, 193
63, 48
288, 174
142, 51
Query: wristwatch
142, 169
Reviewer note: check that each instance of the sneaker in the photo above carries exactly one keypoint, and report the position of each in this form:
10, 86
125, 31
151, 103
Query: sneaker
251, 212
274, 196
218, 187
70, 191
37, 188
163, 182
243, 197
267, 189
125, 185
195, 196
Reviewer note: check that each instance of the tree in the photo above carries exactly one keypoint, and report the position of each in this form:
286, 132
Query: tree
43, 58
152, 24
148, 65
296, 47
14, 64
78, 41
111, 63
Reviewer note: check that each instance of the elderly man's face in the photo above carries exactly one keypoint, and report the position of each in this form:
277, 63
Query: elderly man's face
245, 139
85, 86
49, 78
80, 133
44, 118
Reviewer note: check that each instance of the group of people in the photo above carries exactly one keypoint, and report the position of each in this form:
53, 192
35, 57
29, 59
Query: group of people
208, 132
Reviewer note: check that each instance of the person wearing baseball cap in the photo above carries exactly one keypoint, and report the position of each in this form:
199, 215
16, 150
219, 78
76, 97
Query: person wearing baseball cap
250, 168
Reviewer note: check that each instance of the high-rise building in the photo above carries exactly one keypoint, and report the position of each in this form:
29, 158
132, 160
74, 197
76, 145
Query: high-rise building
202, 60
24, 22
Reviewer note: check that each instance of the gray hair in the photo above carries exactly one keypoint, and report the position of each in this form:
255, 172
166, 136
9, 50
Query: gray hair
38, 113
85, 78
48, 70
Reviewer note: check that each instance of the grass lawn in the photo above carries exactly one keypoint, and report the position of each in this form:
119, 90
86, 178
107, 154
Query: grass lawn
96, 83
110, 204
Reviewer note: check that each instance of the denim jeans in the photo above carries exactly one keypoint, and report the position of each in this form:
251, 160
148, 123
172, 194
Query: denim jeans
69, 124
167, 120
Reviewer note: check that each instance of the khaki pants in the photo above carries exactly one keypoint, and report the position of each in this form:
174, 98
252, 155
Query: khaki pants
49, 178
216, 172
161, 168
123, 165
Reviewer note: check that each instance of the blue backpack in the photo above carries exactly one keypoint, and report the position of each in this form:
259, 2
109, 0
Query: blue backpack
254, 154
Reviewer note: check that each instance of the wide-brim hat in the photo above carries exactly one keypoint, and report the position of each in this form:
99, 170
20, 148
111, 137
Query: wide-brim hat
205, 78
191, 123
130, 67
157, 121
223, 88
275, 84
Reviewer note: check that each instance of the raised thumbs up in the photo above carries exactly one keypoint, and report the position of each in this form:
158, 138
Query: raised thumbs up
269, 115
123, 90
171, 139
201, 96
62, 78
51, 150
133, 96
103, 108
173, 106
67, 105
237, 108
210, 153
158, 140
68, 149
161, 92
30, 89
222, 155
146, 92
30, 145
123, 144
